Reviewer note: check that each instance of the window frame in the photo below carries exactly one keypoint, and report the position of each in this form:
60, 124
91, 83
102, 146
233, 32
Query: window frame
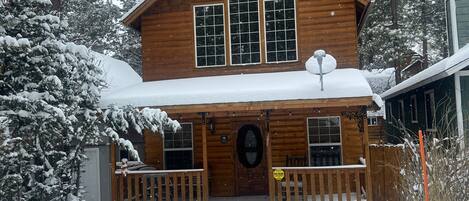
370, 121
180, 149
389, 114
432, 92
265, 35
414, 109
401, 111
194, 16
229, 36
324, 144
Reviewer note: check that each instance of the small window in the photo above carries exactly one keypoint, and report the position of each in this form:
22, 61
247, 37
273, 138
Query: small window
324, 141
401, 111
209, 35
413, 109
280, 30
178, 152
430, 110
244, 32
372, 121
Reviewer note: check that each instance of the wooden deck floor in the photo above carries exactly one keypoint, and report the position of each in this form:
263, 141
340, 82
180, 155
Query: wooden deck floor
266, 198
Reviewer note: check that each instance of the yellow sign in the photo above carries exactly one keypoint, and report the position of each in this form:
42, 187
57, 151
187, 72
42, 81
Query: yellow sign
279, 174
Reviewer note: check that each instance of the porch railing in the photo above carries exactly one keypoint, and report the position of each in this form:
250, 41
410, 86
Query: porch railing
320, 183
159, 185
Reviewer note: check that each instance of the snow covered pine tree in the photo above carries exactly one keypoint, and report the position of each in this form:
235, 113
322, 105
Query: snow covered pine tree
49, 95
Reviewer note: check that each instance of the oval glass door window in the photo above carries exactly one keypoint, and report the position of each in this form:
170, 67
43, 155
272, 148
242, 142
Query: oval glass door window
250, 146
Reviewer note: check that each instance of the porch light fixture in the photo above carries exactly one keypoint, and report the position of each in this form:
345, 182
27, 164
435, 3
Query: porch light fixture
321, 63
211, 125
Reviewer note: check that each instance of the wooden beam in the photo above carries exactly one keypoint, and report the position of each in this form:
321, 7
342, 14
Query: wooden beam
369, 189
135, 15
270, 105
268, 145
205, 159
112, 153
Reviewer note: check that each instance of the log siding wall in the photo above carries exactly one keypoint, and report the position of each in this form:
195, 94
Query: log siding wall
168, 38
289, 138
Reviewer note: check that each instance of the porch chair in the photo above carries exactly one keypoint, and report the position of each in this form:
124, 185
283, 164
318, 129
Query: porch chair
294, 161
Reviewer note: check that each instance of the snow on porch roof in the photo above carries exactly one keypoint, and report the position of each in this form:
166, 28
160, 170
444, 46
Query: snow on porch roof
296, 85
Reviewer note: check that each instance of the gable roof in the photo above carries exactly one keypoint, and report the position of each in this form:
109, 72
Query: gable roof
132, 17
242, 88
442, 69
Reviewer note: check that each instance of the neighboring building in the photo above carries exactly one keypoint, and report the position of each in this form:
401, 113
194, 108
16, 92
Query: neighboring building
458, 23
96, 170
233, 74
380, 80
434, 100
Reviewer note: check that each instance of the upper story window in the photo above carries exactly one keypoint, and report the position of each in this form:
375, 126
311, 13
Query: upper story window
280, 28
372, 121
210, 35
244, 32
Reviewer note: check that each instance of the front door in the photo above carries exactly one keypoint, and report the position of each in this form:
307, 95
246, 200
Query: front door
251, 165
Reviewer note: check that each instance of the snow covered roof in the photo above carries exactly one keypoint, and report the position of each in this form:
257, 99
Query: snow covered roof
117, 74
296, 85
442, 69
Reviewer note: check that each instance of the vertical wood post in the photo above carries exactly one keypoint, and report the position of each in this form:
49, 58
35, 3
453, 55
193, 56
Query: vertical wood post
205, 159
369, 190
114, 190
268, 145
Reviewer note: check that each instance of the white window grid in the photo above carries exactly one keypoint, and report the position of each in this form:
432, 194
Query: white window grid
286, 31
219, 50
254, 56
324, 144
414, 109
168, 149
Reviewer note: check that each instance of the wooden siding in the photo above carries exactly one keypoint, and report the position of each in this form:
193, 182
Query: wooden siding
289, 138
462, 16
168, 38
376, 132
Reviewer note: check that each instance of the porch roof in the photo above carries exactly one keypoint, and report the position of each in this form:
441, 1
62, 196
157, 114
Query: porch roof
347, 86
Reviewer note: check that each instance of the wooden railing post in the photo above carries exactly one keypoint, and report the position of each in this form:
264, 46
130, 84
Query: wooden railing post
114, 190
205, 159
269, 157
369, 189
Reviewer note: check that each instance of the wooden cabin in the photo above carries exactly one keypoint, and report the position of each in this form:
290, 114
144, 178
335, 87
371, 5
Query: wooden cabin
254, 122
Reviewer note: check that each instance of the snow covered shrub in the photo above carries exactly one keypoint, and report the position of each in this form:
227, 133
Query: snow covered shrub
49, 95
447, 165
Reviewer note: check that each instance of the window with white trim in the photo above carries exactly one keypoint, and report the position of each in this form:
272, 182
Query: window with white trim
401, 110
209, 35
244, 32
178, 148
324, 141
413, 109
389, 115
280, 30
430, 109
372, 121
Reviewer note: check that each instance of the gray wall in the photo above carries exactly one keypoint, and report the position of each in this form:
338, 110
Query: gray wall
462, 15
96, 175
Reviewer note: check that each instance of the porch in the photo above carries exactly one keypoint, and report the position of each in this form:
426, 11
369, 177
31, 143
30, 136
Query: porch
220, 175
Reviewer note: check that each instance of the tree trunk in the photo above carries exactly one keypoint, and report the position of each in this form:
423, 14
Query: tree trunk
395, 26
424, 37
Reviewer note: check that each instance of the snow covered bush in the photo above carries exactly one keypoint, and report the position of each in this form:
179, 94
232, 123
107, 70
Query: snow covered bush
49, 95
447, 165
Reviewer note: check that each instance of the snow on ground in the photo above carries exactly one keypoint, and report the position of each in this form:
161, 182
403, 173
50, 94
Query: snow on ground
296, 85
442, 69
118, 74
